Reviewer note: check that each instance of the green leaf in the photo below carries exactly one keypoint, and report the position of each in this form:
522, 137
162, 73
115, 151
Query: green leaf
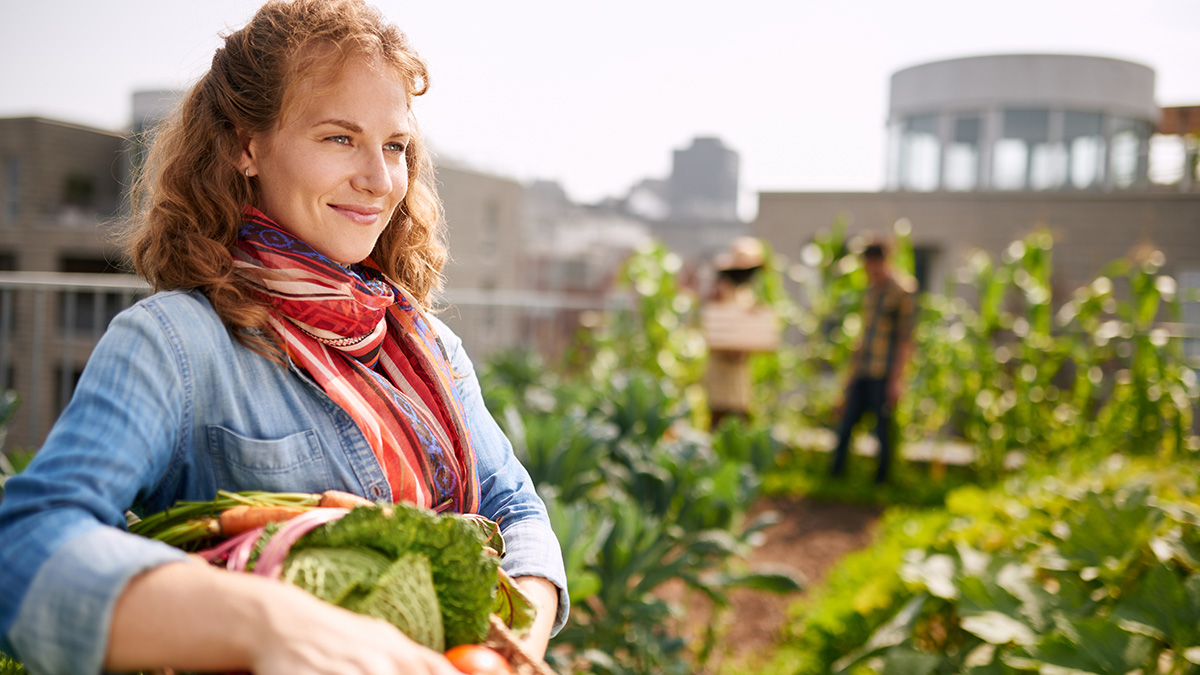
935, 572
335, 574
405, 597
908, 661
894, 632
512, 605
1163, 606
771, 582
1093, 645
583, 586
999, 629
1109, 527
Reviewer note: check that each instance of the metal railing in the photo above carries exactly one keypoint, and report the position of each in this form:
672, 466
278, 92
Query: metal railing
50, 322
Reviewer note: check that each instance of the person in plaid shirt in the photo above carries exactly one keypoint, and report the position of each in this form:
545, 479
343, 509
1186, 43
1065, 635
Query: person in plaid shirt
875, 381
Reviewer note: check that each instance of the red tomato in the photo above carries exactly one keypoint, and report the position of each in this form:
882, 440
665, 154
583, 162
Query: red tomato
478, 660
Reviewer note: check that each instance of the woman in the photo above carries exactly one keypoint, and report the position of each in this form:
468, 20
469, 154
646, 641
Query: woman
287, 220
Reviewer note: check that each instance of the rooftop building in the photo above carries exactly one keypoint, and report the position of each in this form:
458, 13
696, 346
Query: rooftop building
1021, 122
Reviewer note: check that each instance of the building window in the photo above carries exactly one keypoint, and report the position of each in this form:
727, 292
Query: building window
79, 191
491, 227
1083, 137
1024, 156
1126, 140
920, 154
923, 261
962, 155
1168, 157
12, 190
90, 311
895, 133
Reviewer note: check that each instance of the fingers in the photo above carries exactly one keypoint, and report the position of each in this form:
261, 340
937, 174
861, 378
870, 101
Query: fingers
315, 638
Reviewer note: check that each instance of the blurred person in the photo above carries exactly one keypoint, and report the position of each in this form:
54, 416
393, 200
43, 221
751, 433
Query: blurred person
735, 326
289, 226
875, 380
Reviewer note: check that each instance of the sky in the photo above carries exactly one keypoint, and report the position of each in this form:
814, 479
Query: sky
596, 95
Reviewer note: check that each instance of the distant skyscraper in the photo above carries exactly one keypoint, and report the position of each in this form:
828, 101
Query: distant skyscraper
704, 182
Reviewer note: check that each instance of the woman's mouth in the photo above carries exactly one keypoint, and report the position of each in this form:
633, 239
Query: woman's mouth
361, 215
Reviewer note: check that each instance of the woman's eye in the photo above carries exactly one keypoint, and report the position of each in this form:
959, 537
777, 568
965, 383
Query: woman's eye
395, 147
342, 140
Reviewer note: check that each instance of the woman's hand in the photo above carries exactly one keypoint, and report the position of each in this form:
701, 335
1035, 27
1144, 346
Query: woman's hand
193, 617
302, 634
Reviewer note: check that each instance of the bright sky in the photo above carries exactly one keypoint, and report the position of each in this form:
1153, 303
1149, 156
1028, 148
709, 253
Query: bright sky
598, 94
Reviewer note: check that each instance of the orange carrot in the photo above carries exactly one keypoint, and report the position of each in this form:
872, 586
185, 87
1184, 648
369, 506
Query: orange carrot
344, 500
243, 518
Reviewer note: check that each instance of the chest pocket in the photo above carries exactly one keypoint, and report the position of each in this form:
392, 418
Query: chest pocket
290, 464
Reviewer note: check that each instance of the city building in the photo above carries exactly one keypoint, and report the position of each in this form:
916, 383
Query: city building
694, 209
60, 195
485, 233
703, 185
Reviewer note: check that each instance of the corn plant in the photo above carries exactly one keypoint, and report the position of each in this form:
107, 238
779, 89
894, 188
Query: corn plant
659, 336
997, 366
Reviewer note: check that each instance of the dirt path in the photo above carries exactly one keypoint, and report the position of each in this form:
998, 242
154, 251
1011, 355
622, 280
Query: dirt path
809, 538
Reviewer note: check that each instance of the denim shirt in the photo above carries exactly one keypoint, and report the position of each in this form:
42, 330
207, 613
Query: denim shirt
171, 407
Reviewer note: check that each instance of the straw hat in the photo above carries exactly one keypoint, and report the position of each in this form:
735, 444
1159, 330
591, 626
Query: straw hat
743, 253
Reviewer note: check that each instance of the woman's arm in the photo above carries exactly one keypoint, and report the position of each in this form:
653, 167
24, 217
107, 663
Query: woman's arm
545, 597
63, 558
507, 494
190, 616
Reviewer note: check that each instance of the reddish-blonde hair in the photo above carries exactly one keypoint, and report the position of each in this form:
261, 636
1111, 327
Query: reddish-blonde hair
189, 200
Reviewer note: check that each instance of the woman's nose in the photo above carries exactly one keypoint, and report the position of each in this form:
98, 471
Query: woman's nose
373, 176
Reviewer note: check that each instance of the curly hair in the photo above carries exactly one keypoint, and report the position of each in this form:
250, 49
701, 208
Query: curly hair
189, 200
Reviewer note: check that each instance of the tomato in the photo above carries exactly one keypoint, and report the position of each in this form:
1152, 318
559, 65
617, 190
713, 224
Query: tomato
478, 660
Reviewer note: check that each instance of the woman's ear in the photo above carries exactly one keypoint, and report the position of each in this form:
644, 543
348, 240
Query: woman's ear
250, 154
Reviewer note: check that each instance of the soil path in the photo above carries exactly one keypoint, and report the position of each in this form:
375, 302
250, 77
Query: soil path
810, 537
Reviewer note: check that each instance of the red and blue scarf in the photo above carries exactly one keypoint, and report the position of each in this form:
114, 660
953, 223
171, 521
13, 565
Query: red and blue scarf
363, 339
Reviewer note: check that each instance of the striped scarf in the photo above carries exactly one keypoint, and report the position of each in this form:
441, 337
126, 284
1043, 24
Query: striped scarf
362, 338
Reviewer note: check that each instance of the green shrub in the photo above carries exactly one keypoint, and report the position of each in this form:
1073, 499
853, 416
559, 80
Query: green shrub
1099, 573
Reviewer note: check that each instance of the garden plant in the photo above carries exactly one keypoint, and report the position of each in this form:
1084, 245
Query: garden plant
1067, 544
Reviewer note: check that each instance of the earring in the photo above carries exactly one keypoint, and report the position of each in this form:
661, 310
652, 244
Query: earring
247, 172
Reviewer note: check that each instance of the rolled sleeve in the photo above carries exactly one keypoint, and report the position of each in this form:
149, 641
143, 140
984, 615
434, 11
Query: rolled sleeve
63, 623
532, 550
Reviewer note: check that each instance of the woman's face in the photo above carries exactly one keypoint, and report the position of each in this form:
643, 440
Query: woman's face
334, 171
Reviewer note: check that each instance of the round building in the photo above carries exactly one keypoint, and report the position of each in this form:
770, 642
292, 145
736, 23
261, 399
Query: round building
1021, 122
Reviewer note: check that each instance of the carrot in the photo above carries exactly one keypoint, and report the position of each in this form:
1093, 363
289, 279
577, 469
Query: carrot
344, 500
243, 518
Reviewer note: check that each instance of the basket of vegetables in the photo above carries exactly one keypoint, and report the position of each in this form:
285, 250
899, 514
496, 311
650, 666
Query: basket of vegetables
436, 577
